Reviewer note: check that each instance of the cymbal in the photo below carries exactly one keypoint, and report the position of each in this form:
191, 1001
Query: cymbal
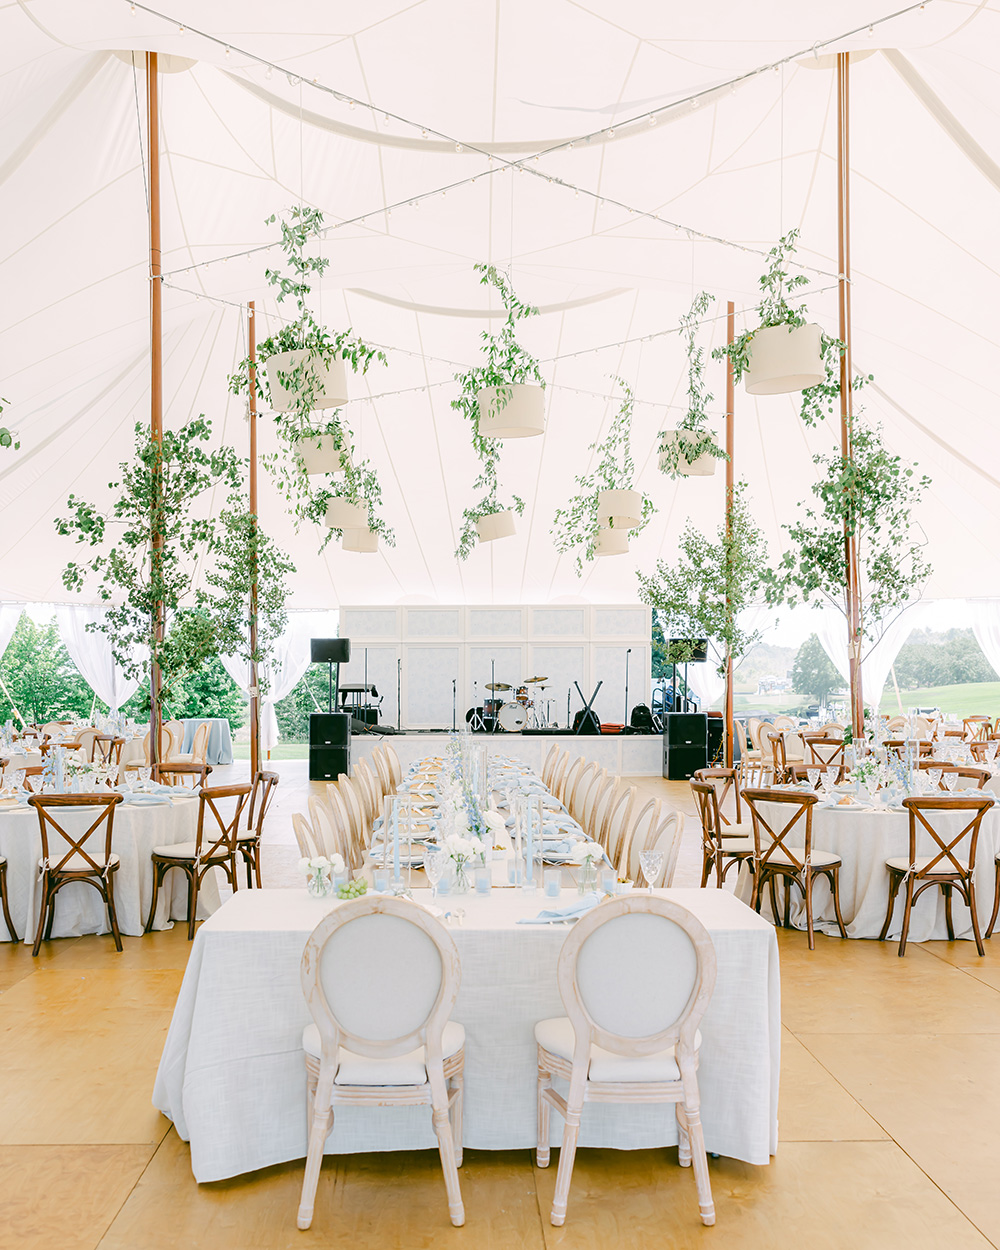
498, 685
530, 680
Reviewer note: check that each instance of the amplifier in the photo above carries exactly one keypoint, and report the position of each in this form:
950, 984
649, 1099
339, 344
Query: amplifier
328, 763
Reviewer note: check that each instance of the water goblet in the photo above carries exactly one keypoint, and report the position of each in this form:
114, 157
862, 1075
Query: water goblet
934, 777
144, 774
951, 781
650, 862
17, 779
434, 866
814, 775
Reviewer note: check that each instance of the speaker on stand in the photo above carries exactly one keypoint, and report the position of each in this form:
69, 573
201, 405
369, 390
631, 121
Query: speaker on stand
330, 731
685, 744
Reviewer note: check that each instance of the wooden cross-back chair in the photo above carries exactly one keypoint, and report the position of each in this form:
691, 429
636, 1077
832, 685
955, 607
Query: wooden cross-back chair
264, 786
825, 752
618, 1043
981, 749
32, 776
215, 846
68, 858
397, 1047
718, 852
948, 867
186, 776
726, 783
107, 749
898, 746
786, 853
976, 728
778, 760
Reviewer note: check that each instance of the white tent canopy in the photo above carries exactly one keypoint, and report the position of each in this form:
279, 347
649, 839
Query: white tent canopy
752, 160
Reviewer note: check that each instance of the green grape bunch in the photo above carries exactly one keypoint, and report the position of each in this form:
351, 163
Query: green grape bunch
352, 889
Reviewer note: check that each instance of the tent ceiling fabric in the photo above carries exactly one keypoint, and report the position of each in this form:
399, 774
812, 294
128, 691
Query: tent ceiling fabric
745, 165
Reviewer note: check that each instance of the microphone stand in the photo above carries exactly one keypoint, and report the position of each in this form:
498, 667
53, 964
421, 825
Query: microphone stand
453, 711
399, 700
627, 654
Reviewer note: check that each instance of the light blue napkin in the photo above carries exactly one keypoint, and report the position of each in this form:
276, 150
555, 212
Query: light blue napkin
553, 915
148, 800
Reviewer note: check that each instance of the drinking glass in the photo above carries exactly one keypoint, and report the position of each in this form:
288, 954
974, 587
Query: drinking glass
650, 862
17, 779
144, 774
951, 780
814, 775
934, 777
434, 866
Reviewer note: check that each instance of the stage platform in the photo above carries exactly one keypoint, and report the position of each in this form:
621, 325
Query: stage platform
628, 755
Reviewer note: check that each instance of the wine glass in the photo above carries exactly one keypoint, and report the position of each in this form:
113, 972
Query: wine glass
951, 780
934, 777
814, 775
434, 866
17, 779
651, 862
144, 774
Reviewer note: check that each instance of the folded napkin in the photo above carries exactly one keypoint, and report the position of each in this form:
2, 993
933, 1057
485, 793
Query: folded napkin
553, 915
148, 800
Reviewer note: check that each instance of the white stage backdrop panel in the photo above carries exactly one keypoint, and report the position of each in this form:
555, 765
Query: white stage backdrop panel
437, 644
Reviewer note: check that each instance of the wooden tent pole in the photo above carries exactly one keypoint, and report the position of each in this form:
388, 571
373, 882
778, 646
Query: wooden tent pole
730, 487
155, 385
852, 571
254, 690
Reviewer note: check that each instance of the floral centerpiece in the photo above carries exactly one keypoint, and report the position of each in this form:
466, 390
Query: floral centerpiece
588, 855
463, 853
320, 872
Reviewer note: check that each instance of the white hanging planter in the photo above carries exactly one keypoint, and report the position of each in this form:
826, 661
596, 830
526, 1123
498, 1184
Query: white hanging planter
365, 540
331, 380
521, 416
702, 466
783, 360
341, 514
496, 525
321, 454
623, 508
611, 542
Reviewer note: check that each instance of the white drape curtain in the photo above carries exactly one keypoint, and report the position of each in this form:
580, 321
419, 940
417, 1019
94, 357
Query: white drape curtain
90, 651
704, 680
284, 667
984, 615
879, 657
10, 614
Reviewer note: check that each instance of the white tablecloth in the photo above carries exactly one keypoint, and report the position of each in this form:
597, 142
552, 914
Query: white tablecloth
864, 840
232, 1076
79, 907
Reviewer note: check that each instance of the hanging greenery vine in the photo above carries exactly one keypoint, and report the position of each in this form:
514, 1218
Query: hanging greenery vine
507, 364
698, 440
576, 527
304, 381
8, 438
358, 485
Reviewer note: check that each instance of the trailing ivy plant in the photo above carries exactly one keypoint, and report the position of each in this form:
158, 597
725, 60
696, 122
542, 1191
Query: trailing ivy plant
873, 494
575, 527
701, 440
358, 485
8, 438
777, 285
303, 421
704, 593
489, 503
154, 512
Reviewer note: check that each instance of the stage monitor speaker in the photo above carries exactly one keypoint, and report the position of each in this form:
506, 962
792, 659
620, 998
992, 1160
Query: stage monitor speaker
329, 729
329, 763
330, 650
685, 744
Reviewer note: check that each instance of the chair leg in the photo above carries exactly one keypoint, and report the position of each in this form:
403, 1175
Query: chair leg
788, 903
683, 1137
542, 1150
971, 898
159, 871
567, 1154
248, 861
6, 906
194, 881
320, 1127
109, 898
42, 909
706, 867
699, 1158
256, 863
834, 876
894, 883
996, 904
807, 891
773, 892
446, 1149
52, 912
906, 915
458, 1086
946, 891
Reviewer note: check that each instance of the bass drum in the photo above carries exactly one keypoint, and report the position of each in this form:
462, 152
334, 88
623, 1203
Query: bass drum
513, 718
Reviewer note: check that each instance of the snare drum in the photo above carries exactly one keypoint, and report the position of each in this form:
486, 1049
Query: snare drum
512, 717
522, 696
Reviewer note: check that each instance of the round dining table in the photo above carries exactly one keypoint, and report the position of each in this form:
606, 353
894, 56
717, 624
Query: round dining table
138, 827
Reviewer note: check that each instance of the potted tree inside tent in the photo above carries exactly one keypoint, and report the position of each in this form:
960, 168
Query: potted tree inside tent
504, 397
690, 450
607, 509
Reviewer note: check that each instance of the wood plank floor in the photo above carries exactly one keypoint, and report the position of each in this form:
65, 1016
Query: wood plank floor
889, 1117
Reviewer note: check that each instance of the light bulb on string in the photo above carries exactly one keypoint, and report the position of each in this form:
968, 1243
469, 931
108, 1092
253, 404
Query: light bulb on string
652, 120
226, 54
269, 73
180, 30
611, 132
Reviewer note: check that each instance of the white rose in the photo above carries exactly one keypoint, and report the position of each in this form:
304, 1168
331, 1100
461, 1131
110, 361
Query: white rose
494, 821
337, 863
586, 850
304, 865
320, 863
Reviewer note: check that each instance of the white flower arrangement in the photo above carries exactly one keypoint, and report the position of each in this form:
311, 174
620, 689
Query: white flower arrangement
588, 853
462, 849
320, 870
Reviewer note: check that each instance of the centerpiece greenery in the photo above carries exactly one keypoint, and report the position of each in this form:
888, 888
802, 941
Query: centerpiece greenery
160, 542
303, 377
576, 528
507, 364
682, 447
711, 584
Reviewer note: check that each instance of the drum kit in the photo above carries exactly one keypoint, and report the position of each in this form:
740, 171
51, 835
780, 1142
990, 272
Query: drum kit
512, 714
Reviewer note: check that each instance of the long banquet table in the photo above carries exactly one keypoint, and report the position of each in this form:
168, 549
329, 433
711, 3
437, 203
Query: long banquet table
79, 907
232, 1076
864, 839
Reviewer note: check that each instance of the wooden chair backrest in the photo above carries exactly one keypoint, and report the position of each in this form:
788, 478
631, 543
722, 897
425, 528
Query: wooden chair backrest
403, 949
549, 763
800, 772
351, 797
604, 982
265, 784
976, 728
755, 773
783, 722
76, 844
184, 774
575, 797
706, 801
618, 823
602, 809
947, 844
395, 767
107, 749
589, 800
86, 739
32, 774
981, 748
725, 781
216, 829
776, 748
199, 745
754, 726
769, 840
655, 827
559, 773
304, 836
824, 751
362, 777
569, 781
329, 835
382, 771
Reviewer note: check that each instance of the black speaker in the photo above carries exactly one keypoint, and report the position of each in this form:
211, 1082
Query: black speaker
685, 744
330, 650
328, 763
716, 746
329, 729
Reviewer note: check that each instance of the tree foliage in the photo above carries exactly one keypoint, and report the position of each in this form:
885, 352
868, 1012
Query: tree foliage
42, 681
701, 440
813, 672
